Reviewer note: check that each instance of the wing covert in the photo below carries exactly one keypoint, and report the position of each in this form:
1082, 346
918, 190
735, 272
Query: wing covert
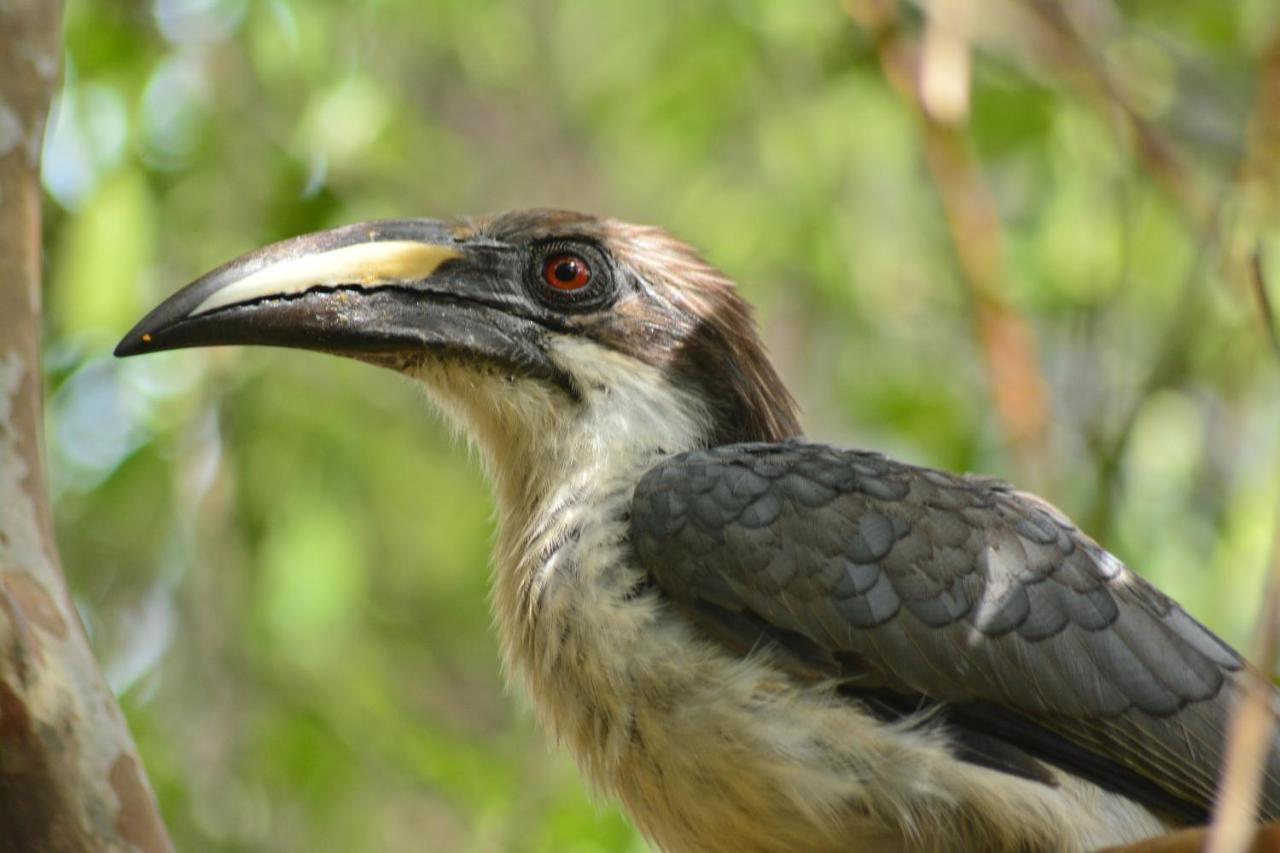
955, 589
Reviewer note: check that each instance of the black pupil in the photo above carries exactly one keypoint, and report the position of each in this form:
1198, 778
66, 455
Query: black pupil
567, 270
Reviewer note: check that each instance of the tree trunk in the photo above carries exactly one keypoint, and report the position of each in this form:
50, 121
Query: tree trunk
70, 778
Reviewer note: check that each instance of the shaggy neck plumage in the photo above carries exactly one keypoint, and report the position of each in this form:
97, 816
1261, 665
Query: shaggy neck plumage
563, 472
552, 461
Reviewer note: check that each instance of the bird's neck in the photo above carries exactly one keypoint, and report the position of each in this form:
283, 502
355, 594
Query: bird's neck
576, 473
559, 466
570, 603
563, 472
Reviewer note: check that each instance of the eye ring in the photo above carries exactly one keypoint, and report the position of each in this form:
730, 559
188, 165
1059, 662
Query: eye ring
566, 272
570, 275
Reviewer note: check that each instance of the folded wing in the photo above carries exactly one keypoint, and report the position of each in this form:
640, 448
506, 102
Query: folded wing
913, 586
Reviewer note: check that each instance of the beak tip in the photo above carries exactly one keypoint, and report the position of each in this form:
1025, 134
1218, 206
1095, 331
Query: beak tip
136, 342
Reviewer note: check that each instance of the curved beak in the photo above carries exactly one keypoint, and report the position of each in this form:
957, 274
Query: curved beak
386, 292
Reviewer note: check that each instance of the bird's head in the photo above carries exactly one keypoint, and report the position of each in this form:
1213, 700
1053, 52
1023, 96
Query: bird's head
543, 333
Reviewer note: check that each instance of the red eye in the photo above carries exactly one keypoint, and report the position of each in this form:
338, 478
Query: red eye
566, 272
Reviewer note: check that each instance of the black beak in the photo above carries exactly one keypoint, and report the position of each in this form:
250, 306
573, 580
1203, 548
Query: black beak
386, 292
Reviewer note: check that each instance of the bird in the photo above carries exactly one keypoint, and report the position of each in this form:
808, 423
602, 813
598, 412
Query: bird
751, 640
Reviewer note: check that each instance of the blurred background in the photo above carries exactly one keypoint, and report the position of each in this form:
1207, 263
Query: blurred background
1007, 237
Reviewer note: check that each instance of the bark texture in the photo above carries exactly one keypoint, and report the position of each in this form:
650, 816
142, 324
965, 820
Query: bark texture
70, 778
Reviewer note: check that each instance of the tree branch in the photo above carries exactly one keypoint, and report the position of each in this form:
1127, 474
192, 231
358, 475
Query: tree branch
1005, 338
70, 778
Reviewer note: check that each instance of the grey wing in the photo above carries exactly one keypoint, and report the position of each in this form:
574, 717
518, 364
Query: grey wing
910, 582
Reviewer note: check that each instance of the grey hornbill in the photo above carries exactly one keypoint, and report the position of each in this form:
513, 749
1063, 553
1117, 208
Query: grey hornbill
754, 641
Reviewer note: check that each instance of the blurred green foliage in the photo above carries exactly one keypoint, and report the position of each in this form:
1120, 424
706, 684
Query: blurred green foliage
282, 557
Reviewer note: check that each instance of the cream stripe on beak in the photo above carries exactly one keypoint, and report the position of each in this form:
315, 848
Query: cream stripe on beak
366, 265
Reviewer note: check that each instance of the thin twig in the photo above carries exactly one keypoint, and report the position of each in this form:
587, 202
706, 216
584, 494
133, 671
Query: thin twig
1253, 721
1193, 840
1168, 366
1249, 735
1258, 280
1160, 158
